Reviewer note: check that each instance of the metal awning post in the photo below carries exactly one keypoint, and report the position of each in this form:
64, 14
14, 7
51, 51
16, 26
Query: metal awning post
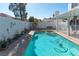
68, 27
56, 24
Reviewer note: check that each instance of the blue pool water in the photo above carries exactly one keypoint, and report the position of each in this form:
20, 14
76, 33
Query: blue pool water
50, 44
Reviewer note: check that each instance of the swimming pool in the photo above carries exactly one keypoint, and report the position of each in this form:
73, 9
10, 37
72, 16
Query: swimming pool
50, 44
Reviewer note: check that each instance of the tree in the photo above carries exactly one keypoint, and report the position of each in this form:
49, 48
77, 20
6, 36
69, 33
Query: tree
19, 10
14, 8
22, 10
34, 21
31, 19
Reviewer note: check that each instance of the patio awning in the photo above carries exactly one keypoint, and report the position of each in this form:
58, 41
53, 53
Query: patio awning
71, 13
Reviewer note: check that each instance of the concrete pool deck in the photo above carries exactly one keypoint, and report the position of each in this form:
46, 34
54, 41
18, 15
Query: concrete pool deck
73, 39
12, 49
18, 47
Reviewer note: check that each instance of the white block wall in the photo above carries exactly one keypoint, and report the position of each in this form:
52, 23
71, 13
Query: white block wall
44, 24
16, 26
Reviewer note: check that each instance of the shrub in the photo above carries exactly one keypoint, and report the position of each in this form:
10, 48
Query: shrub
9, 40
3, 44
22, 33
16, 36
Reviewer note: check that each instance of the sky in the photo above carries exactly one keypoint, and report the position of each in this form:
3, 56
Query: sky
38, 10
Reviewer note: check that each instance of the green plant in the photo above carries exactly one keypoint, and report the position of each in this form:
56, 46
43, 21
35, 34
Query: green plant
4, 44
1, 43
11, 23
22, 33
9, 40
25, 30
16, 36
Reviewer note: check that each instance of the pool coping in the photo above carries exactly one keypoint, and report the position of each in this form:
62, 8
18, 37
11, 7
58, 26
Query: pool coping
74, 40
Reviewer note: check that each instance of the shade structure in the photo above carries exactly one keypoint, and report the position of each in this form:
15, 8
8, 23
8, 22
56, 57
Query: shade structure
71, 13
66, 18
